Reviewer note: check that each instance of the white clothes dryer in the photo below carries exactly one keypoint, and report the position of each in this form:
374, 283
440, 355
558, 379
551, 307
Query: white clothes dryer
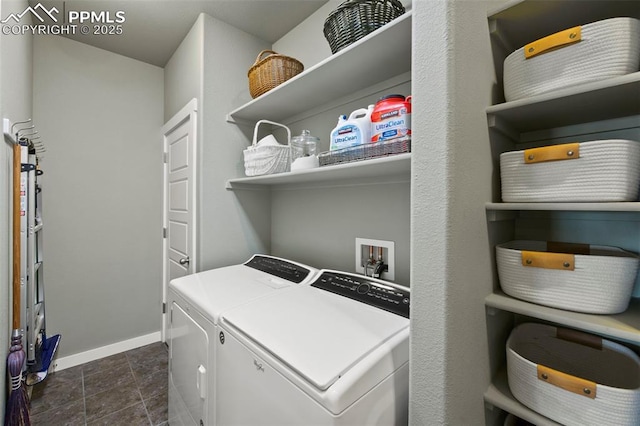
332, 353
195, 303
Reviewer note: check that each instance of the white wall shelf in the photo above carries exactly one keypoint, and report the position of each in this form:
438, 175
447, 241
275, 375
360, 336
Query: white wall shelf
499, 395
376, 170
624, 326
356, 67
597, 101
591, 207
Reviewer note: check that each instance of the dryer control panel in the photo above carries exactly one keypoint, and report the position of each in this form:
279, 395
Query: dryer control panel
385, 296
279, 268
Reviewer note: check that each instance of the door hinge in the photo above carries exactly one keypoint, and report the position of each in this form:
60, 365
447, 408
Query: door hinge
164, 232
164, 308
164, 157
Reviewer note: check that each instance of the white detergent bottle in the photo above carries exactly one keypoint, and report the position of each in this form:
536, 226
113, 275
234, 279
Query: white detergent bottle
352, 131
340, 134
361, 118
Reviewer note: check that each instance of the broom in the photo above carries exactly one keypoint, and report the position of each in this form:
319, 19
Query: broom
17, 410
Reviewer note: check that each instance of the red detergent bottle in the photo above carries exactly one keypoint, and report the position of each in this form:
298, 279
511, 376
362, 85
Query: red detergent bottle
391, 118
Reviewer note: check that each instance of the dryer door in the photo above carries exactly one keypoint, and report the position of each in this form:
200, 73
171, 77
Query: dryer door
188, 369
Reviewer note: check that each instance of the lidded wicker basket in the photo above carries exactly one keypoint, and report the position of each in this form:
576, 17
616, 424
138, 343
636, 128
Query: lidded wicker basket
271, 71
354, 19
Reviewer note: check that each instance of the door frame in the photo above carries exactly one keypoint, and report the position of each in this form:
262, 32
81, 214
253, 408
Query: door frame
188, 113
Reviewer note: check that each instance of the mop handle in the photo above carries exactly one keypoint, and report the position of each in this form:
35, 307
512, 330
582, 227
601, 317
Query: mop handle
16, 235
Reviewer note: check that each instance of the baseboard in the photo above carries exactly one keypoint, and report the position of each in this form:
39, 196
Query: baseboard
104, 351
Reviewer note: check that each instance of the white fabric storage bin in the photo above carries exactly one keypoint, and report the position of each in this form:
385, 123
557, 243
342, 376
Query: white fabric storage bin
576, 277
578, 55
573, 378
596, 171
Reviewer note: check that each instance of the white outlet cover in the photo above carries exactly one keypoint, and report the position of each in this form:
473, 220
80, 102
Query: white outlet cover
390, 260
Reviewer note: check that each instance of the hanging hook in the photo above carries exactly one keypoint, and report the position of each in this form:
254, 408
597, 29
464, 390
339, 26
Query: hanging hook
20, 122
21, 136
24, 135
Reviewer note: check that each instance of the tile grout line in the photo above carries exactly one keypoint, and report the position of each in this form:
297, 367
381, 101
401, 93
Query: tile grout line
84, 398
135, 380
107, 368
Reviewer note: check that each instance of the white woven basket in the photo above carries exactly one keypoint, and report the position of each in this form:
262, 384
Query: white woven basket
595, 171
572, 377
268, 159
591, 52
576, 277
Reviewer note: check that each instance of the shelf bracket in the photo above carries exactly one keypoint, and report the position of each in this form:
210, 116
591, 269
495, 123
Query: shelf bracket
497, 34
238, 122
501, 215
503, 127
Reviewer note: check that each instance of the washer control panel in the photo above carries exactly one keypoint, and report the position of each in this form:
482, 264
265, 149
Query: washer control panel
279, 268
387, 296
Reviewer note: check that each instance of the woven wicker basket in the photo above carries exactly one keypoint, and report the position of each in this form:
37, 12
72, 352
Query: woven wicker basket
365, 151
596, 279
572, 377
354, 19
594, 171
271, 71
578, 55
267, 159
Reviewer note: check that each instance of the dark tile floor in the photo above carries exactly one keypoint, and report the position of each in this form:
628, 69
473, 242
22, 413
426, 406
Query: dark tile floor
129, 389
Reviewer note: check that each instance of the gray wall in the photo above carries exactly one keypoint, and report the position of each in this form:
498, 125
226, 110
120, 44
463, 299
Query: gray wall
233, 226
16, 105
101, 116
183, 72
451, 167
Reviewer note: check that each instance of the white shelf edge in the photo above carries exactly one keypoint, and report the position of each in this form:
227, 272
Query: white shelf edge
632, 206
566, 92
624, 326
499, 395
392, 165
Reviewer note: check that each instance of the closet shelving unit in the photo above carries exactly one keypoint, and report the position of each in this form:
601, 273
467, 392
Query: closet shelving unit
599, 110
354, 70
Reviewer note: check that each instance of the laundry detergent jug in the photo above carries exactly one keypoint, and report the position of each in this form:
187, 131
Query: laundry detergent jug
391, 118
352, 131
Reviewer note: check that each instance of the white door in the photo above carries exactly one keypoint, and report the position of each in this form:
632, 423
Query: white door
179, 244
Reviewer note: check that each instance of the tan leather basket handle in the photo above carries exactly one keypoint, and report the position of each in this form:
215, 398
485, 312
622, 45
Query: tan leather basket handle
540, 259
567, 382
566, 151
553, 41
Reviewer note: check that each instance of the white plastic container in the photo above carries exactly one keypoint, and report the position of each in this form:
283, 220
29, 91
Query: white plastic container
352, 131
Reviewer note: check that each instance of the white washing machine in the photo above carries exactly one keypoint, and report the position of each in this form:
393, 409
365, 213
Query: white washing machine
195, 304
332, 353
